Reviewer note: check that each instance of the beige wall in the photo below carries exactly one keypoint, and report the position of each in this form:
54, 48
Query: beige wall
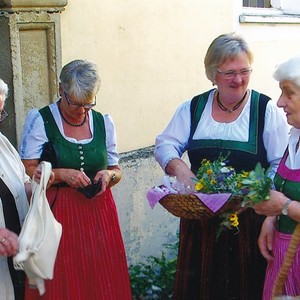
150, 54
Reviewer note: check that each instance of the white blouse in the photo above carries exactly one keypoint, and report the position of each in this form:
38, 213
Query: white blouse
173, 141
34, 135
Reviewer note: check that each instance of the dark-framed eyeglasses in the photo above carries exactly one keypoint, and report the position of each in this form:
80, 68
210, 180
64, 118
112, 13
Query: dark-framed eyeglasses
75, 106
3, 115
231, 74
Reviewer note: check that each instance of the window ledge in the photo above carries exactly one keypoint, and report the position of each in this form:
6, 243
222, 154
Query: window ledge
268, 15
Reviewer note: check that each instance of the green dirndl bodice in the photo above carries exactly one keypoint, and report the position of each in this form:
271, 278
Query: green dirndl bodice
89, 157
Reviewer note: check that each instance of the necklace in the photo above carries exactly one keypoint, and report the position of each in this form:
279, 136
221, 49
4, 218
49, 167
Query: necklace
230, 110
69, 123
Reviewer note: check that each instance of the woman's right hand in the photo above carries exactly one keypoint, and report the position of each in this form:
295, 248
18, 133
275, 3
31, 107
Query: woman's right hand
8, 242
177, 167
265, 240
75, 178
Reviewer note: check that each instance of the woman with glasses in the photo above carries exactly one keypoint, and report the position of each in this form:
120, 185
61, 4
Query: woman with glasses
81, 145
234, 119
15, 190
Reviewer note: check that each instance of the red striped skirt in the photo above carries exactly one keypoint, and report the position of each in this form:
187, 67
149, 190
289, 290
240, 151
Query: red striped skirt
91, 262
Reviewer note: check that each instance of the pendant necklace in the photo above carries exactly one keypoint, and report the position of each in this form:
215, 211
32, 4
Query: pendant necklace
69, 123
230, 110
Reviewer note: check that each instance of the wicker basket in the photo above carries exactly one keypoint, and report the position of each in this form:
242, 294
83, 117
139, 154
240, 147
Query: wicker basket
190, 207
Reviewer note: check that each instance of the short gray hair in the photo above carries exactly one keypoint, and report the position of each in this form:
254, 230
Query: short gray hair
80, 78
222, 48
288, 70
3, 89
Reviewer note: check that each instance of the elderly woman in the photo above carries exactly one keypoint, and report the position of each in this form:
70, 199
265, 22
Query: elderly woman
15, 189
283, 207
230, 118
81, 145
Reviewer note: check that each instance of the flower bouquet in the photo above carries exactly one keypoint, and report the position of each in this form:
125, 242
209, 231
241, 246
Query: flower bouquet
219, 192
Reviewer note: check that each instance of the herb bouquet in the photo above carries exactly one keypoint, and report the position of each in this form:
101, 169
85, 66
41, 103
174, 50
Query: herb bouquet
221, 192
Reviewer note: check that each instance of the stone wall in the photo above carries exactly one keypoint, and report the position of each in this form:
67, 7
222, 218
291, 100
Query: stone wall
145, 230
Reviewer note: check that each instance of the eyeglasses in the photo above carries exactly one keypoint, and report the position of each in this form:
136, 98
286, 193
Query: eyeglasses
231, 74
75, 106
3, 115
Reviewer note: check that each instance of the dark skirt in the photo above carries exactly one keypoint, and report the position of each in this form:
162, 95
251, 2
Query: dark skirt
230, 267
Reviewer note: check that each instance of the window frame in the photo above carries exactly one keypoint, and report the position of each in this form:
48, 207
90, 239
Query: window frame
282, 11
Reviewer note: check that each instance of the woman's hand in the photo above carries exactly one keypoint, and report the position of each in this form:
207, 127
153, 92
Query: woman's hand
8, 242
265, 240
177, 167
273, 206
108, 177
37, 175
74, 178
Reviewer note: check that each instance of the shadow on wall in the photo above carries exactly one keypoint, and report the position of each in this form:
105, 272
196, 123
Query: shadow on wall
145, 230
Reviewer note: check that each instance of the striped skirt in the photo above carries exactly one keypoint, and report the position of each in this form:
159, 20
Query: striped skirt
292, 285
91, 262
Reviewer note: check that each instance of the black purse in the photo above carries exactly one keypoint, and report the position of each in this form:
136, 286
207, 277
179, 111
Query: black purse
91, 190
49, 154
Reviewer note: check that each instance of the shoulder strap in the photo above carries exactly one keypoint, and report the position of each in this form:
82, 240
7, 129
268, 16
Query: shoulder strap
197, 106
49, 122
263, 101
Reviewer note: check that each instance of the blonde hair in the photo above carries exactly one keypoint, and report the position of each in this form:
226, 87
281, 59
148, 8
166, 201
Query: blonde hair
223, 48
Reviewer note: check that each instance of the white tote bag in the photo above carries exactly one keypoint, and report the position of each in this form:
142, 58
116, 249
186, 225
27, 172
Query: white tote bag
40, 235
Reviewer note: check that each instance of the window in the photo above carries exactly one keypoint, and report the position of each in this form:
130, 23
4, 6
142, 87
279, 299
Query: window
257, 3
270, 11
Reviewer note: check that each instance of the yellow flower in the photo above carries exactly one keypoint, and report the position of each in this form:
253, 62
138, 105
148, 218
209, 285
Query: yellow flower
209, 172
234, 219
213, 181
199, 186
245, 174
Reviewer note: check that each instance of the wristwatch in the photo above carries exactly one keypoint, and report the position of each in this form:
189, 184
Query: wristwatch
285, 209
113, 178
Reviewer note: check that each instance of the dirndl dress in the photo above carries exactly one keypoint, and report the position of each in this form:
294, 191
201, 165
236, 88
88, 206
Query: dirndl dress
287, 181
91, 260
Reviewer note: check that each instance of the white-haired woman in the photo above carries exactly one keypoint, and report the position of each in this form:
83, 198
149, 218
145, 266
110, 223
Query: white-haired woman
15, 189
283, 207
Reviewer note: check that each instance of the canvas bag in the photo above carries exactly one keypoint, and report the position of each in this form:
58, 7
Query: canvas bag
40, 235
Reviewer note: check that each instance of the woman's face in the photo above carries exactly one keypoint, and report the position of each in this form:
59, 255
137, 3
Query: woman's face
289, 100
73, 109
232, 77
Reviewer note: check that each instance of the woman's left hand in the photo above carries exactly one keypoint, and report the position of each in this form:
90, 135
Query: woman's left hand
8, 242
108, 178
